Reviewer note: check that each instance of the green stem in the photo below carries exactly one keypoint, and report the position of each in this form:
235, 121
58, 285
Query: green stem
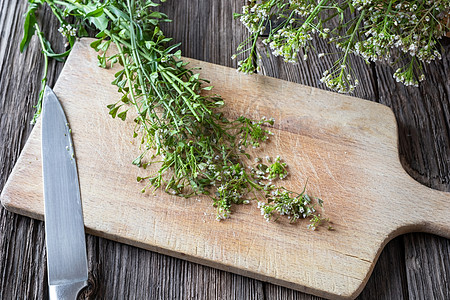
167, 76
137, 53
136, 57
44, 77
352, 36
129, 80
315, 12
386, 16
55, 11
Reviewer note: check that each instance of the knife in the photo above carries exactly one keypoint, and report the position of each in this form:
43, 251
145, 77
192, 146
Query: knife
64, 228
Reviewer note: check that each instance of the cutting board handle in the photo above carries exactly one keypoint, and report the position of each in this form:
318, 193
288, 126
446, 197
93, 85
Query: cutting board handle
428, 211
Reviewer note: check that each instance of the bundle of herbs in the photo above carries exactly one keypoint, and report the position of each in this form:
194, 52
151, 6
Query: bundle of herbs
403, 33
180, 127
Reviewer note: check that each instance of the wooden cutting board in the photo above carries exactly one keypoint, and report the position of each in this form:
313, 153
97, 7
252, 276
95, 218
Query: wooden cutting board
346, 147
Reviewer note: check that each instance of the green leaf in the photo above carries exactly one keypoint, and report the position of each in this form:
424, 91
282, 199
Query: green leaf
169, 49
121, 84
101, 22
137, 160
95, 13
153, 21
352, 8
155, 14
104, 45
195, 76
351, 29
152, 4
113, 111
119, 13
119, 75
125, 99
154, 76
28, 26
122, 115
101, 61
101, 35
71, 8
177, 54
48, 51
150, 44
82, 32
165, 40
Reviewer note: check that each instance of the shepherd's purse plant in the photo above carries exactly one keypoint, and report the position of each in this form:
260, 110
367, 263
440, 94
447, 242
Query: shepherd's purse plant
180, 125
403, 33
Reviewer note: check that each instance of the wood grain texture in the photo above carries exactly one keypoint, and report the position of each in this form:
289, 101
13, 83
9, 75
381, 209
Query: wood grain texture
22, 253
335, 141
22, 258
423, 123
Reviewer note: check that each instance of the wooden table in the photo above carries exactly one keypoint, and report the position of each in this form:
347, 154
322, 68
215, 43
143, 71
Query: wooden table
413, 266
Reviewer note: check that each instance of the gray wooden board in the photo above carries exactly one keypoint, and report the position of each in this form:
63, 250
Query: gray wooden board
414, 266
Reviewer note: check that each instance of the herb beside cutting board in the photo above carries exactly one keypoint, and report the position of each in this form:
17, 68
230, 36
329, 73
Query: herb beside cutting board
181, 129
403, 33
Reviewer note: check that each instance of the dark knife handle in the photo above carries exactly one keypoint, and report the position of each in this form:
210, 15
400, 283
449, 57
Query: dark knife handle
66, 291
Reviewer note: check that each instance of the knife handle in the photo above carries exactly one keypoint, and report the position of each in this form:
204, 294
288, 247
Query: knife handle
66, 291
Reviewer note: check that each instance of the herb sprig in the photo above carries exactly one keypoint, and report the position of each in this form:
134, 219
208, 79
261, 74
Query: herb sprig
181, 128
403, 33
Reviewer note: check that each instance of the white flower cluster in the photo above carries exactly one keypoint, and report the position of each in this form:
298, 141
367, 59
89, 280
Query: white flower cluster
287, 43
222, 213
406, 77
231, 190
266, 213
399, 32
284, 204
360, 4
253, 15
276, 169
67, 30
408, 28
415, 41
302, 8
339, 80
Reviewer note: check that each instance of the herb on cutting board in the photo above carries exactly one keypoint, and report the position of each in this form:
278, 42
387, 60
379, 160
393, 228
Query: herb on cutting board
181, 130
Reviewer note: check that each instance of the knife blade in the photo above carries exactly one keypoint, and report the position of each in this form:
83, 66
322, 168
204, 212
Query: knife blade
64, 228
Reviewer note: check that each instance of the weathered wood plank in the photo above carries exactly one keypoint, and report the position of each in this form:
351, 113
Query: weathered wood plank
206, 29
427, 260
423, 117
388, 280
22, 256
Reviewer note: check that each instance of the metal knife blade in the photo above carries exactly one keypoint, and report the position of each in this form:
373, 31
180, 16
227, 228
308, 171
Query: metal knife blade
64, 227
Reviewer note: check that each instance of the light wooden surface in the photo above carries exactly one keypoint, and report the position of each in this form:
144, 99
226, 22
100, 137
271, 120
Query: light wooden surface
335, 141
412, 266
